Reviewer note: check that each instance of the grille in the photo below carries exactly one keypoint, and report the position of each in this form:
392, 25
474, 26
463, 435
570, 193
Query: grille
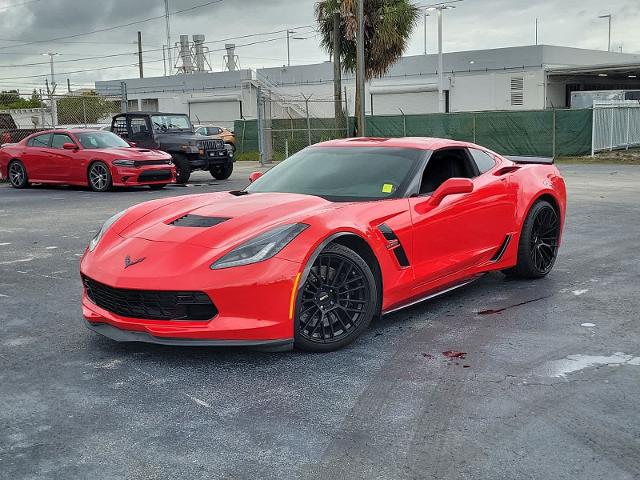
212, 144
142, 163
151, 304
154, 175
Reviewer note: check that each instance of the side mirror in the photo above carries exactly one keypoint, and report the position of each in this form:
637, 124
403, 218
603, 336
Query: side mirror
452, 186
69, 146
254, 176
132, 144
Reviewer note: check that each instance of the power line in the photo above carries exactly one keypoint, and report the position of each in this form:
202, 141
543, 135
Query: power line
13, 5
106, 29
153, 49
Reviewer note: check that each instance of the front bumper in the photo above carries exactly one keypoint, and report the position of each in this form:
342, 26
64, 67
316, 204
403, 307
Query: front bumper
253, 301
145, 175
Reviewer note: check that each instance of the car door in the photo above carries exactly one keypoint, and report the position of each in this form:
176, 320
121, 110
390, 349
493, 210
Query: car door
61, 161
141, 132
464, 230
36, 157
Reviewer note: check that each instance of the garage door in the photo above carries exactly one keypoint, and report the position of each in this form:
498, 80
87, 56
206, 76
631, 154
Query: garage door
217, 112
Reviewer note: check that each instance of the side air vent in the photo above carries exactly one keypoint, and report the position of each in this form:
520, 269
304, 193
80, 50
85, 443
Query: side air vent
197, 221
502, 249
393, 244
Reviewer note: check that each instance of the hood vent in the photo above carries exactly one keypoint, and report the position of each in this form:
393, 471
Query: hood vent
197, 221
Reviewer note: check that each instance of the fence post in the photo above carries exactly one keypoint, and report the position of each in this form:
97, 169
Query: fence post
260, 114
306, 106
553, 135
628, 125
593, 129
611, 131
404, 123
474, 126
42, 108
84, 112
286, 148
346, 112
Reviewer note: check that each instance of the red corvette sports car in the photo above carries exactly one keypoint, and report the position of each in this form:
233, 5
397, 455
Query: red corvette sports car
93, 158
312, 250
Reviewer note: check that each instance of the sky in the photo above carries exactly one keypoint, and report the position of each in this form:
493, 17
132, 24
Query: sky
29, 29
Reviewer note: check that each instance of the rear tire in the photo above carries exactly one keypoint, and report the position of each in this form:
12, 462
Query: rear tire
222, 172
18, 174
99, 177
183, 167
337, 301
538, 245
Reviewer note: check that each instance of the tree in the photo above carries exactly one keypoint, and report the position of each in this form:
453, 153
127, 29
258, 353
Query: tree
387, 27
86, 108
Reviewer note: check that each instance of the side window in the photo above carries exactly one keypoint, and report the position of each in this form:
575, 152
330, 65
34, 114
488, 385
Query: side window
120, 127
59, 139
484, 161
215, 131
139, 127
40, 141
443, 165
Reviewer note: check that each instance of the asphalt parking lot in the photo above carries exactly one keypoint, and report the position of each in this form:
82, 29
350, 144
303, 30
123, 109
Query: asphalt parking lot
548, 387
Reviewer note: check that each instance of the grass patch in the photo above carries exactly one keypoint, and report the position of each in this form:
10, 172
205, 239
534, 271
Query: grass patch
617, 157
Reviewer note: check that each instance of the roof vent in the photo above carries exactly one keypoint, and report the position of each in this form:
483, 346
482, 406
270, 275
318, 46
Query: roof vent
197, 221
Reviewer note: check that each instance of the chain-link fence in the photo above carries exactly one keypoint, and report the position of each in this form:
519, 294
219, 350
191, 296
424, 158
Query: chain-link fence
548, 133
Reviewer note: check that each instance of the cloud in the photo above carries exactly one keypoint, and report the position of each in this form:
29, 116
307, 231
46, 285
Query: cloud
474, 24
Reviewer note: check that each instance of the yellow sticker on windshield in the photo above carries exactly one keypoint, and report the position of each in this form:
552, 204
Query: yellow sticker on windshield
387, 188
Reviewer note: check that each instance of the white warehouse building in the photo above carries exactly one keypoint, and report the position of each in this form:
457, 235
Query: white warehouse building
514, 78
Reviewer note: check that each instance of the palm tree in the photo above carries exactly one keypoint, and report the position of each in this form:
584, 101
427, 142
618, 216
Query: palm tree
387, 27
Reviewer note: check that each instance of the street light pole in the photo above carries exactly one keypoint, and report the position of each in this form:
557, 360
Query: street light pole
288, 49
608, 16
425, 31
441, 101
51, 91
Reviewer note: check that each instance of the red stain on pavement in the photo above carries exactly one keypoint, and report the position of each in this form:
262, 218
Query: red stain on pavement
454, 354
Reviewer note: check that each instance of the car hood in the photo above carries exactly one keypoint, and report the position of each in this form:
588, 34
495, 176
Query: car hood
227, 219
129, 153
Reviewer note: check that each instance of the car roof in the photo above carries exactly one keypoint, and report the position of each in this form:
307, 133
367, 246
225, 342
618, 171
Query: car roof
418, 143
67, 130
150, 113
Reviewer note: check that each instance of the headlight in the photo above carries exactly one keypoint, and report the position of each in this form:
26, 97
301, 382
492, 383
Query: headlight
124, 163
94, 241
189, 148
260, 248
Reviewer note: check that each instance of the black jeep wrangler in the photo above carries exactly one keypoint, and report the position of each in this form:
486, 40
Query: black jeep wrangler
174, 134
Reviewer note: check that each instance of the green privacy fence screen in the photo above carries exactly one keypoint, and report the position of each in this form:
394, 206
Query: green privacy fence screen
536, 133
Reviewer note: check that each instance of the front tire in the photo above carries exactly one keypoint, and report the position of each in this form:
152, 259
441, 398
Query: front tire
337, 301
222, 172
18, 174
539, 240
99, 177
183, 168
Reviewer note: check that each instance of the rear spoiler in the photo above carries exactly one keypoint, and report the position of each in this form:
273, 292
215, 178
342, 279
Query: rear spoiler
522, 159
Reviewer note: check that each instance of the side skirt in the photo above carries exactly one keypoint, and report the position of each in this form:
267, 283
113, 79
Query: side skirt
433, 295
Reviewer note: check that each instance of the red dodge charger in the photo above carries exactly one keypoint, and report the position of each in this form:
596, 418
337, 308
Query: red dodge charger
93, 158
312, 250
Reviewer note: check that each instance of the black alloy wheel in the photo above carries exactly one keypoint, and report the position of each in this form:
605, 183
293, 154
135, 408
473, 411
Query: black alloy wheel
539, 240
18, 174
222, 172
337, 301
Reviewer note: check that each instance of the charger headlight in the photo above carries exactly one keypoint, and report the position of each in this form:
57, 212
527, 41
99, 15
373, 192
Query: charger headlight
262, 247
124, 163
95, 240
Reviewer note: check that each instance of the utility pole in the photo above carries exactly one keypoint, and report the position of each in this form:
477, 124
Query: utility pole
52, 89
337, 71
140, 54
168, 29
536, 30
68, 86
288, 49
360, 69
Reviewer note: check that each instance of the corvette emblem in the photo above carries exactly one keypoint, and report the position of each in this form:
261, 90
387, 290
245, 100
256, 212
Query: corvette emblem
128, 262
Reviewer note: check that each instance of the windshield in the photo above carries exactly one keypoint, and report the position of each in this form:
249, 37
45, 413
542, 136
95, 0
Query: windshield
342, 173
94, 140
170, 122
